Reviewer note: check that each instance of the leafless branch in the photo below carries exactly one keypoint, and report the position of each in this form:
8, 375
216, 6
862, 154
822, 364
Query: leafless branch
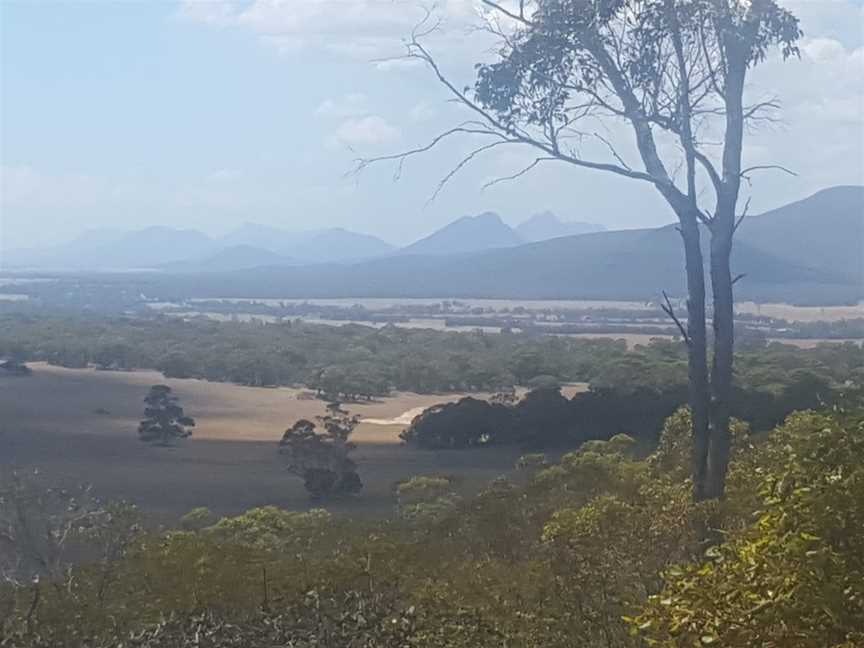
489, 125
362, 163
518, 174
613, 151
520, 17
670, 311
738, 278
767, 167
464, 161
753, 110
741, 217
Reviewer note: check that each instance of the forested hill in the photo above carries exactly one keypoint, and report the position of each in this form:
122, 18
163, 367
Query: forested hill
807, 252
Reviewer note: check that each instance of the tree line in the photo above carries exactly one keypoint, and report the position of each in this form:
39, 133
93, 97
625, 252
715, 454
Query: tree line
545, 419
357, 362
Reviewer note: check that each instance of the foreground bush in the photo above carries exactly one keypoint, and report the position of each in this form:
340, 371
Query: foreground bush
796, 576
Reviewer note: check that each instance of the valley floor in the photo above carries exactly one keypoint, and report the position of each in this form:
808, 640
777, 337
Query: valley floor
79, 425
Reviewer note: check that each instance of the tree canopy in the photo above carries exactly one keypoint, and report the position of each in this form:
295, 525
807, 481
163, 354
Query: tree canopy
164, 420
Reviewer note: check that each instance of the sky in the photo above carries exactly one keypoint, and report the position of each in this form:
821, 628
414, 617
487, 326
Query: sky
205, 115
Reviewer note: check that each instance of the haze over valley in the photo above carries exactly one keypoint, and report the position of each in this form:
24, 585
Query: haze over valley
465, 324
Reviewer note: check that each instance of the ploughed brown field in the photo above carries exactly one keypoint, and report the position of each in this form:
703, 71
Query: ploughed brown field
79, 426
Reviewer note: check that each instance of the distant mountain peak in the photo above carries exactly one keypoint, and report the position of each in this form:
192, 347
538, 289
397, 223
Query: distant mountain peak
546, 225
487, 217
483, 231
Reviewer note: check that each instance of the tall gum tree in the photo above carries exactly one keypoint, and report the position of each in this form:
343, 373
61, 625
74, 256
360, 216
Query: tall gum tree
673, 73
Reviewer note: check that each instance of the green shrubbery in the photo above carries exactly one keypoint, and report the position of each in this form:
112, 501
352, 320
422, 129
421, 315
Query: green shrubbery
597, 549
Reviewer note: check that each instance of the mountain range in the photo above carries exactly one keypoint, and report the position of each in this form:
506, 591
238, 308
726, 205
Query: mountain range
190, 250
808, 252
255, 245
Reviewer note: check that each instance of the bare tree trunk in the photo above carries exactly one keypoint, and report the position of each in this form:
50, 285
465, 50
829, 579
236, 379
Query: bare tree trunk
722, 230
721, 370
697, 353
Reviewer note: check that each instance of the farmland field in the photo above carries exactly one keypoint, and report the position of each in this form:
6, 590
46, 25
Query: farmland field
79, 425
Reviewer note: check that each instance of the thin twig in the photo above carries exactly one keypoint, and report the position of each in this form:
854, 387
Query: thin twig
518, 174
768, 167
741, 217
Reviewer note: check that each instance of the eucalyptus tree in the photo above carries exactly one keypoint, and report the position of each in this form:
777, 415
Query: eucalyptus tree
164, 419
671, 75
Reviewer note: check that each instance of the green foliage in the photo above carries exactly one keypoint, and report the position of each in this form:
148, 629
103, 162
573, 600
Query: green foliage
269, 527
426, 498
796, 576
321, 458
673, 455
600, 548
197, 519
164, 419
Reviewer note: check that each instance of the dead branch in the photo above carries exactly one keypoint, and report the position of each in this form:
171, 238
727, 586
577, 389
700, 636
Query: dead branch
741, 217
462, 163
362, 163
613, 151
767, 167
670, 311
518, 174
518, 17
489, 125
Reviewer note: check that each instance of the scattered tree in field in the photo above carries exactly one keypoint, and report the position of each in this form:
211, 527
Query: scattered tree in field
164, 419
667, 71
321, 457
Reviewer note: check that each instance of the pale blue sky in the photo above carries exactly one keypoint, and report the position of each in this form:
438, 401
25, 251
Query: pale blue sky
125, 114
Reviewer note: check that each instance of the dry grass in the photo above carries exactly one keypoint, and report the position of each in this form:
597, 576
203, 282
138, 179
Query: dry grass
51, 422
69, 398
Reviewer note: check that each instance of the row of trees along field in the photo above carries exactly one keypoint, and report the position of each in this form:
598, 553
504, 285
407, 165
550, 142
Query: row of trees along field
352, 362
545, 419
599, 549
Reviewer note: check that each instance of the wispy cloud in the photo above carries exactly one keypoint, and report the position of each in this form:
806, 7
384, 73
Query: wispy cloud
357, 29
368, 131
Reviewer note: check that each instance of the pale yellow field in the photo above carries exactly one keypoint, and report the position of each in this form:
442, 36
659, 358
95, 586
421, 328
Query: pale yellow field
802, 313
51, 421
55, 396
59, 397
